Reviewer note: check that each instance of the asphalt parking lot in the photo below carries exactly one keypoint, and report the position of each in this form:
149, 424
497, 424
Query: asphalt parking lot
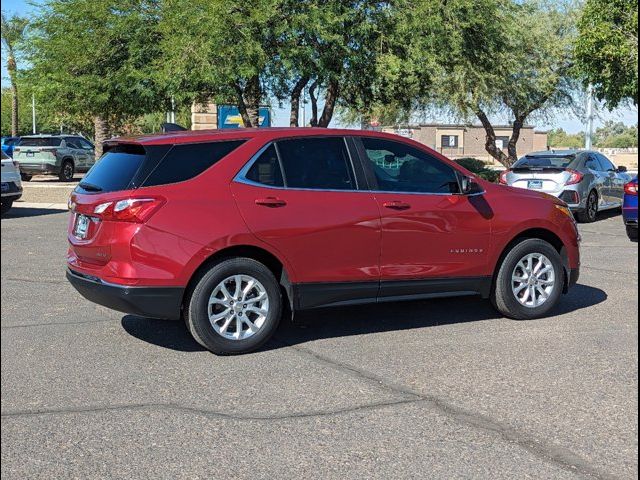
434, 389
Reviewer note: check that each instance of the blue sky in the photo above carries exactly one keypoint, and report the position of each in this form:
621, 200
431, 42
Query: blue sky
567, 121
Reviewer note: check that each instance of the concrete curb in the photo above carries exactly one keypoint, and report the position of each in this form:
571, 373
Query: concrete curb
41, 206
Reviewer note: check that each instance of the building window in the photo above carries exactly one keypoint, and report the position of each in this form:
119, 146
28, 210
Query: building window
449, 141
502, 142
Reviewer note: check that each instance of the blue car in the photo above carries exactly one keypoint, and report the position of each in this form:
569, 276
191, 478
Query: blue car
630, 209
8, 144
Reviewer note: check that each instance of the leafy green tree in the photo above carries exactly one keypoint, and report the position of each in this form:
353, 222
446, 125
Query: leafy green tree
92, 61
46, 120
606, 49
13, 31
616, 135
559, 138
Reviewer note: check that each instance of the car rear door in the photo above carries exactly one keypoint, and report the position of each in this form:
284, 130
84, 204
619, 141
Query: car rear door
79, 155
432, 237
615, 180
306, 198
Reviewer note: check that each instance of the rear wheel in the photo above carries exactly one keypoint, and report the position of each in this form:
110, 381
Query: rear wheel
235, 307
590, 213
530, 280
66, 171
632, 232
6, 206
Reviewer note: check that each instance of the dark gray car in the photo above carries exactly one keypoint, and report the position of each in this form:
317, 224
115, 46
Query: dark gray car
586, 180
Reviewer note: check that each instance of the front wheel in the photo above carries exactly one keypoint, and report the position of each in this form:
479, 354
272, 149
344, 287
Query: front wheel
235, 307
66, 171
530, 281
632, 233
25, 178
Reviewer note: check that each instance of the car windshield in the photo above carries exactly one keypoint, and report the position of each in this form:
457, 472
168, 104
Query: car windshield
40, 142
551, 161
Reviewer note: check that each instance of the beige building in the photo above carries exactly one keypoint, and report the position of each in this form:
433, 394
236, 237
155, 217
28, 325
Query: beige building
457, 141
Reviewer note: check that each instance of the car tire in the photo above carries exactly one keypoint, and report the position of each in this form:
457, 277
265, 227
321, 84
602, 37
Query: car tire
6, 206
504, 296
67, 170
223, 336
590, 213
632, 233
25, 178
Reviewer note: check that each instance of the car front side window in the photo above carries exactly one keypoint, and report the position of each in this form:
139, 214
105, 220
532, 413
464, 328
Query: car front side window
402, 168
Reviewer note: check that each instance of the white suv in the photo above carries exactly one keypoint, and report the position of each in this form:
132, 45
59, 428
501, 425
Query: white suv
11, 184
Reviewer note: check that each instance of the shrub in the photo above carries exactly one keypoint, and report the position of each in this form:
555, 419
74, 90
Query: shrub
479, 168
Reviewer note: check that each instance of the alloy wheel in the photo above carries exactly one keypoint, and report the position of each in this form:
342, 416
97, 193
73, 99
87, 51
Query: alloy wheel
238, 307
533, 280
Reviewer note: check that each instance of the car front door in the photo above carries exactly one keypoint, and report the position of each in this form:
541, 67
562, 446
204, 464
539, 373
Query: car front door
433, 239
601, 182
89, 151
303, 197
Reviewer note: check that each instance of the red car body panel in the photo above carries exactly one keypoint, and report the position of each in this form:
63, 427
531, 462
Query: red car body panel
319, 237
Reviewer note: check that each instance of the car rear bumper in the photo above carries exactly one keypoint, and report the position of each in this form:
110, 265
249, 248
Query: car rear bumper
154, 302
39, 168
13, 191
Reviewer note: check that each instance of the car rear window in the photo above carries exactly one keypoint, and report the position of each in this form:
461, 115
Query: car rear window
114, 171
186, 161
40, 142
542, 162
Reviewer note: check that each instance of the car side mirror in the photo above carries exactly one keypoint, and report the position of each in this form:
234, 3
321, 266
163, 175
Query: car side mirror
623, 169
465, 184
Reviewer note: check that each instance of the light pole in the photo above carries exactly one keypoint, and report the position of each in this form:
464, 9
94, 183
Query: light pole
588, 140
33, 112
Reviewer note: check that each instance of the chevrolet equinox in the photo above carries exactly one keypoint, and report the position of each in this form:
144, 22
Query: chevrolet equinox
230, 229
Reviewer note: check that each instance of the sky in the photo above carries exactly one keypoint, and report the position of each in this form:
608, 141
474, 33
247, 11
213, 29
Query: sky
567, 121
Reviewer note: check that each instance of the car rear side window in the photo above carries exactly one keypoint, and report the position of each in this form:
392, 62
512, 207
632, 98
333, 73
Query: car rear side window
266, 169
317, 163
186, 161
40, 142
114, 171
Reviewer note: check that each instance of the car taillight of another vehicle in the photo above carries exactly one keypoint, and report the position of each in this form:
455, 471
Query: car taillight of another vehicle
132, 210
631, 188
52, 151
575, 178
503, 177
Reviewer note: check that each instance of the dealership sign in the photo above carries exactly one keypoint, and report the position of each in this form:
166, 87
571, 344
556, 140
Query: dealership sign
229, 117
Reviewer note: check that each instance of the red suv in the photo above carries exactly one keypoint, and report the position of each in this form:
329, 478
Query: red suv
228, 229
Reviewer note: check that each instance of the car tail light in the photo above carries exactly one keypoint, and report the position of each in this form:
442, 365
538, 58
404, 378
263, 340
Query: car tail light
575, 178
16, 150
133, 210
52, 151
503, 177
16, 163
631, 188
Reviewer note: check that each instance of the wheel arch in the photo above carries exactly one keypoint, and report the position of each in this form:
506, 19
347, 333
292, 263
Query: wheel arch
542, 234
272, 262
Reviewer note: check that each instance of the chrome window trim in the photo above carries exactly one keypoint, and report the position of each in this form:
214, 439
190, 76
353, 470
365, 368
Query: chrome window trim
241, 177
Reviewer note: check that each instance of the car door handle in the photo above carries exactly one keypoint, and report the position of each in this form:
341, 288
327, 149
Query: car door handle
271, 202
396, 205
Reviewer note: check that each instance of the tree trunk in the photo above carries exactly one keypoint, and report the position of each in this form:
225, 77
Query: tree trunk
101, 133
330, 100
314, 104
512, 147
295, 101
12, 70
249, 102
490, 143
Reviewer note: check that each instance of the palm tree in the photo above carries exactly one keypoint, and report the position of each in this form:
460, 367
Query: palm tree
13, 29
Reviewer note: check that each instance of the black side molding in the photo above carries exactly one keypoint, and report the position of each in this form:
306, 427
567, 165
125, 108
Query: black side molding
320, 295
153, 302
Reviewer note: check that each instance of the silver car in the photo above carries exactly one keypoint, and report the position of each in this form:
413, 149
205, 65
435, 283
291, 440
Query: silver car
61, 155
587, 181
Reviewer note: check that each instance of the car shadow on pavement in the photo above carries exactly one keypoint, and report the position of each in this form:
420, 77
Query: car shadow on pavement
362, 320
19, 212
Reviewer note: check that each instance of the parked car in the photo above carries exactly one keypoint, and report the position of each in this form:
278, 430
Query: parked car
11, 184
630, 209
587, 181
61, 155
8, 143
225, 228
